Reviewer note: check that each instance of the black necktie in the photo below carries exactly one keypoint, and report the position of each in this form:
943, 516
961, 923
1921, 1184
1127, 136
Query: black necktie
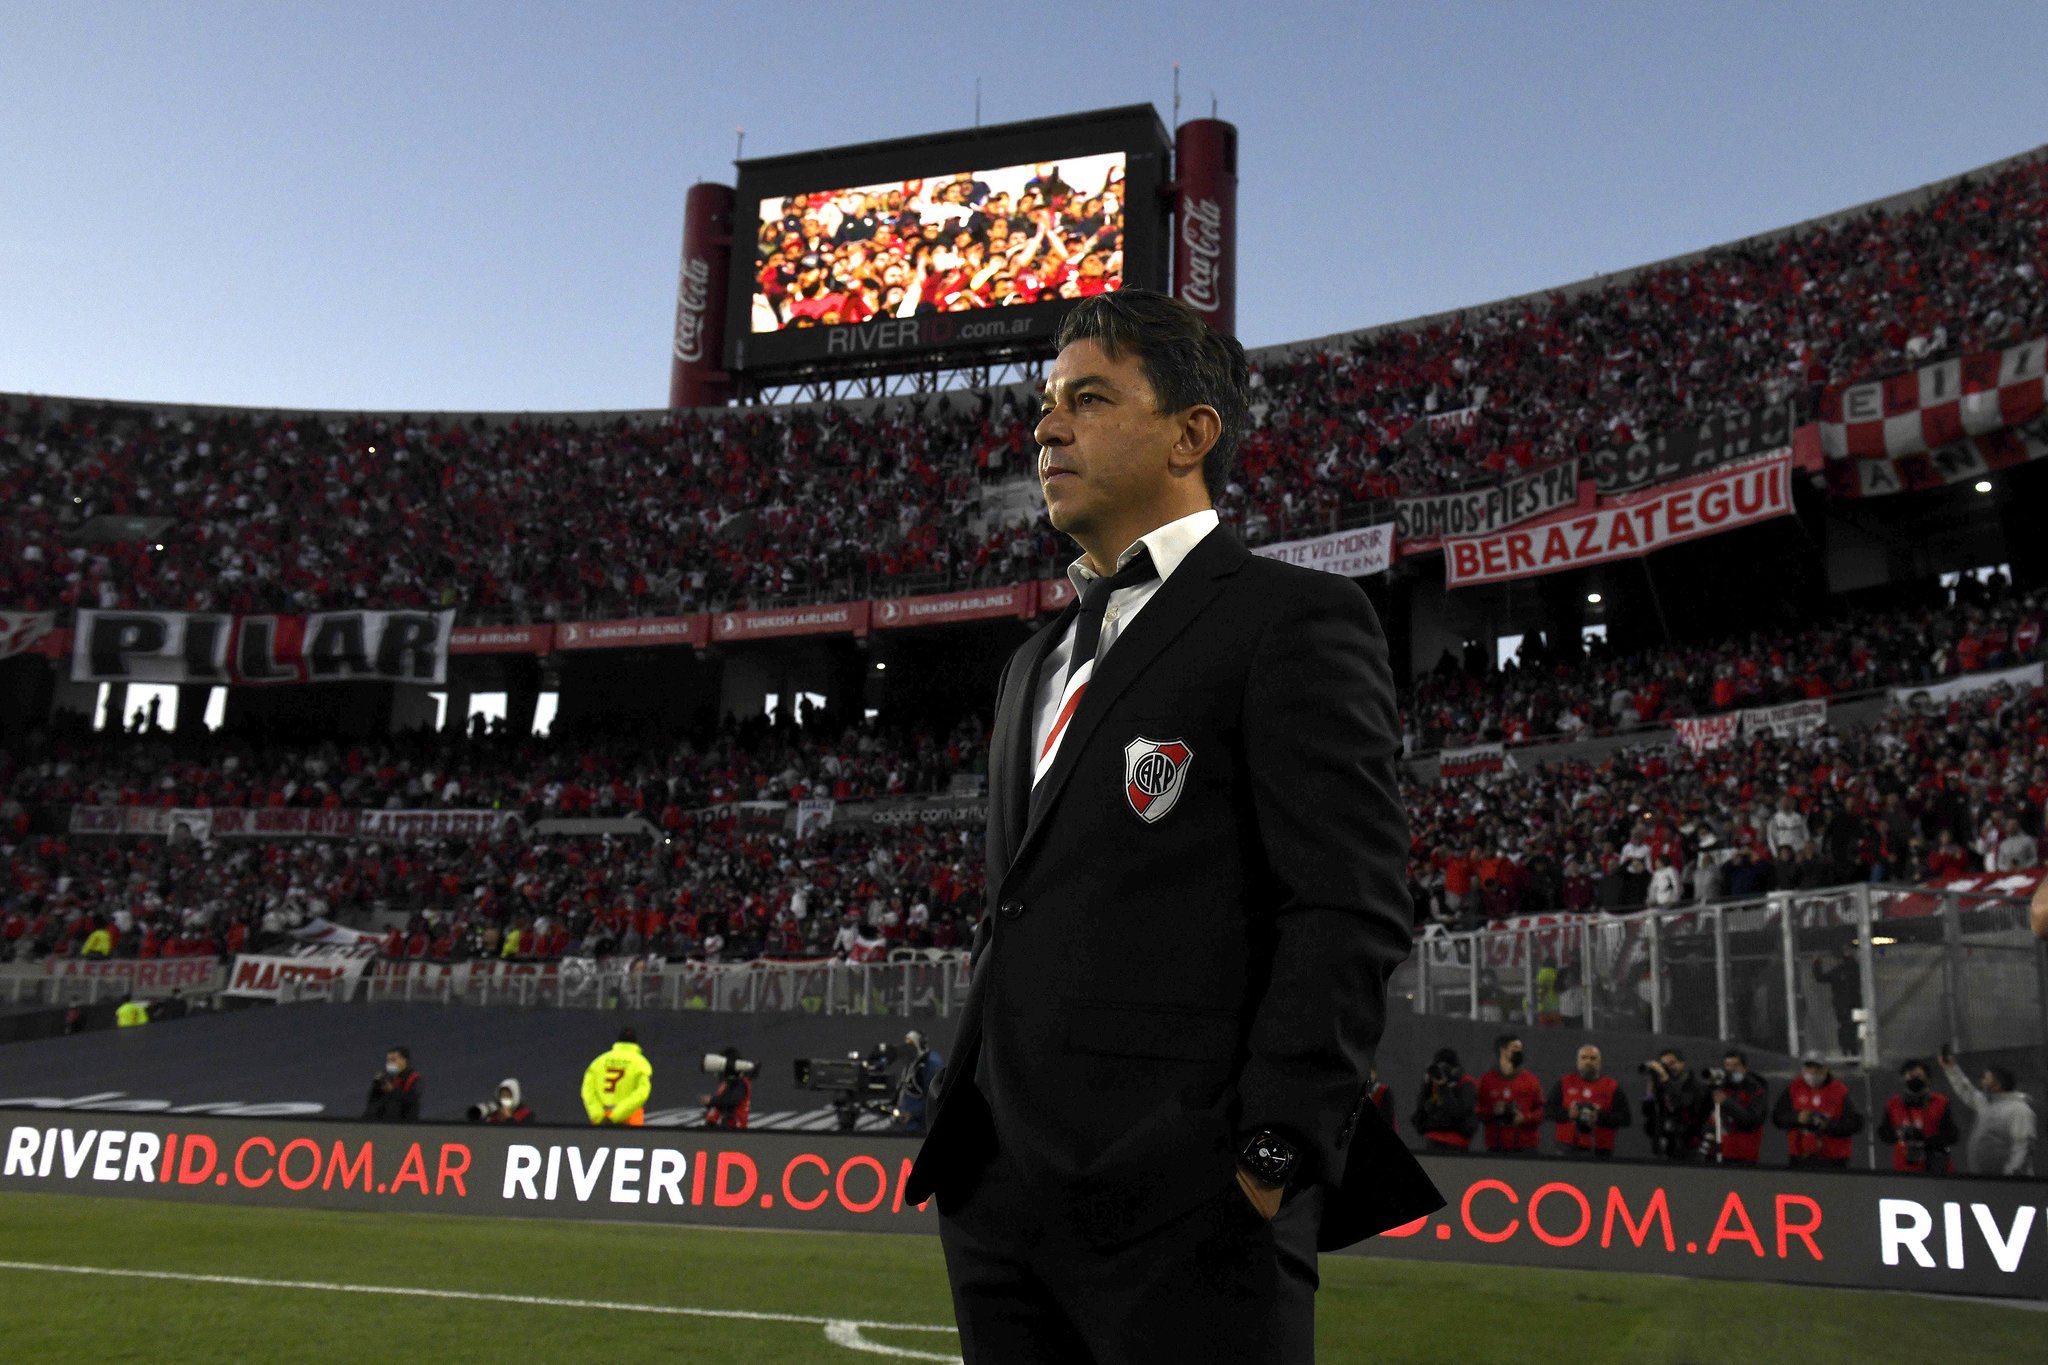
1081, 666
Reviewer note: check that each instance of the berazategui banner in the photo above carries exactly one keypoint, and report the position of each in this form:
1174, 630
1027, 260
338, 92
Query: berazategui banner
216, 647
1631, 526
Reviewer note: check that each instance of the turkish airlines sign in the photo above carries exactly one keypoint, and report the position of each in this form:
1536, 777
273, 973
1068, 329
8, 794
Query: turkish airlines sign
836, 618
1629, 528
896, 613
633, 632
501, 640
214, 647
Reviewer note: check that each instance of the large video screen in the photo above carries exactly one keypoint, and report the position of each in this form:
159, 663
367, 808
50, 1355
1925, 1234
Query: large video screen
950, 243
872, 257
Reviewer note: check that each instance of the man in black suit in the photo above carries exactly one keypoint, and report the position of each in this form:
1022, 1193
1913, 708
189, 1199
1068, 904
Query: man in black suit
1197, 858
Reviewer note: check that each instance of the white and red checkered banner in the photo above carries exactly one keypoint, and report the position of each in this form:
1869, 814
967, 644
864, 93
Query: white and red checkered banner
1940, 424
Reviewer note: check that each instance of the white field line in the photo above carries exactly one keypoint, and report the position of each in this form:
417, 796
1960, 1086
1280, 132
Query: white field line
840, 1331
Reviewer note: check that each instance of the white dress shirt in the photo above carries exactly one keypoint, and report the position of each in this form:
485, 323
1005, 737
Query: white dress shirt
1169, 545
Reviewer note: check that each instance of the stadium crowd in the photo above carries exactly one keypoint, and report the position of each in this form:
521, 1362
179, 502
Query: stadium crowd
1919, 795
705, 881
563, 775
1596, 692
1023, 234
707, 509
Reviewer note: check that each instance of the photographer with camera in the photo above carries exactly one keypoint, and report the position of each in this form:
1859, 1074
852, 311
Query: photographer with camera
1674, 1106
919, 1084
1741, 1101
395, 1093
616, 1085
1588, 1109
1919, 1124
730, 1105
504, 1107
1446, 1113
1818, 1118
1510, 1100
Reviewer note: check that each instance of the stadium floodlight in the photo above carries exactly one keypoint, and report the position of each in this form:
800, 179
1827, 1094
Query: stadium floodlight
1594, 598
880, 667
1983, 485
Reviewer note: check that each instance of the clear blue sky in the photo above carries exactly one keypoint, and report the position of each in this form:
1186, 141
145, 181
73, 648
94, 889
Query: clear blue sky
477, 206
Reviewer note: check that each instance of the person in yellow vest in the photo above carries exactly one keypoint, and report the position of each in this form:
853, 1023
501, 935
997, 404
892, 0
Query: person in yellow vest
617, 1084
131, 1014
98, 943
510, 949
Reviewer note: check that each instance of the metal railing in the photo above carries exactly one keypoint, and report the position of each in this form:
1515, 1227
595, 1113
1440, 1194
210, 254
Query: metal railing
1860, 973
913, 987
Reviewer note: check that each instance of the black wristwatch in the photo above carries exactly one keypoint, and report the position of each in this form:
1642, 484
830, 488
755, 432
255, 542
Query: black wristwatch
1268, 1157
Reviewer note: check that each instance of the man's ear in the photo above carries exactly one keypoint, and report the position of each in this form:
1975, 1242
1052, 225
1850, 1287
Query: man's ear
1201, 426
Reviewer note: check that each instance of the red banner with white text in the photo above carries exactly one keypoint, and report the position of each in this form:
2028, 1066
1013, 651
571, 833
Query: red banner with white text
1625, 527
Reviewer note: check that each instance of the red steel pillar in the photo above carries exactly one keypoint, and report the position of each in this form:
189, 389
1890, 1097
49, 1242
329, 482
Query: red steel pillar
697, 376
1205, 219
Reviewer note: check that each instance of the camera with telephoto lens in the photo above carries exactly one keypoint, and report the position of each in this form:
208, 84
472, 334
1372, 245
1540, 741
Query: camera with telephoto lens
715, 1064
1714, 1077
859, 1084
1914, 1138
1444, 1073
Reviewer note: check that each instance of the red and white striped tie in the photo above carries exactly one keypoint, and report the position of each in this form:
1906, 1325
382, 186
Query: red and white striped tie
1087, 632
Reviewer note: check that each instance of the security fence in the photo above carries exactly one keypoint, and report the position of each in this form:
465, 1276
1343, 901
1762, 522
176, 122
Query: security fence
913, 986
1859, 974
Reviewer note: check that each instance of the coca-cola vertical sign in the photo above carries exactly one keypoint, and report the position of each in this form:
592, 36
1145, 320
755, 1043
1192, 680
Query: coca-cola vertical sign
1205, 220
697, 377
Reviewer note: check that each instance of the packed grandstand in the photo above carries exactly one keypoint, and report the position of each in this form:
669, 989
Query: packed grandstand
704, 511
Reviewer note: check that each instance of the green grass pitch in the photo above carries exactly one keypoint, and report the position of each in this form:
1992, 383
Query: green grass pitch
807, 1289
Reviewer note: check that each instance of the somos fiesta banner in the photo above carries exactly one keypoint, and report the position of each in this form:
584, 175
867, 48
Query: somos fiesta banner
213, 647
1642, 523
1870, 1231
1421, 522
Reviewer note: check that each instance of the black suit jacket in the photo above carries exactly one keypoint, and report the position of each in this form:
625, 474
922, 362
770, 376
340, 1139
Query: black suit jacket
1149, 991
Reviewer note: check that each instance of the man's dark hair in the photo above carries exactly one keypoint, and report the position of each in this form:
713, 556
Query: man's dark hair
2003, 1075
1915, 1064
628, 1035
1504, 1039
1737, 1053
1672, 1052
404, 1052
1185, 360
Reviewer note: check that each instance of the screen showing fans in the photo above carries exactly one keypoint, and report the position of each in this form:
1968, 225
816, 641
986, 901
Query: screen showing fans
1038, 232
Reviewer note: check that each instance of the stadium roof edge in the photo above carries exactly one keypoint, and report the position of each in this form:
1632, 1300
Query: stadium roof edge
1904, 199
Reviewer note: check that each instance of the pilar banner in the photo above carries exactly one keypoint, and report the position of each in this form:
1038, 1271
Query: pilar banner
216, 647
